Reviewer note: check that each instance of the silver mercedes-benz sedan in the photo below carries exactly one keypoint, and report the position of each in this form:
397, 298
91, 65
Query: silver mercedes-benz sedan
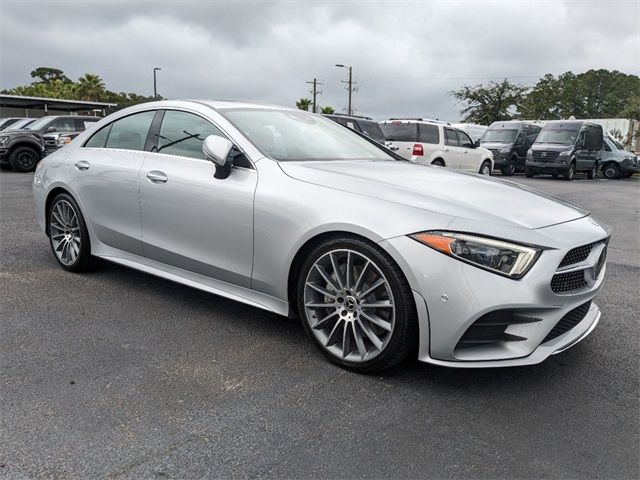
288, 211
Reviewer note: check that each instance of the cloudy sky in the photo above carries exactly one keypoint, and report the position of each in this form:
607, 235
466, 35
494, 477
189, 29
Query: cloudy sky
406, 56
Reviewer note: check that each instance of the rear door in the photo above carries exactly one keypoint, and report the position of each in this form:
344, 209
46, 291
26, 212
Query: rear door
105, 174
429, 137
401, 137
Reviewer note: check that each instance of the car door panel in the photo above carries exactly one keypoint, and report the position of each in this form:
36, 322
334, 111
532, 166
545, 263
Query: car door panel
453, 153
196, 222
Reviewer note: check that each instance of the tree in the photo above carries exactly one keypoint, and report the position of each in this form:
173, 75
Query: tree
303, 104
90, 87
327, 110
49, 74
485, 104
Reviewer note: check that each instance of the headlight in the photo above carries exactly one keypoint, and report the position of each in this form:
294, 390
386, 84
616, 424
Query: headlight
504, 258
505, 150
3, 140
565, 153
529, 152
62, 141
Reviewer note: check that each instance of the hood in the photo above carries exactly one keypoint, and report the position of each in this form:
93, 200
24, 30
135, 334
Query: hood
494, 145
20, 133
439, 190
551, 147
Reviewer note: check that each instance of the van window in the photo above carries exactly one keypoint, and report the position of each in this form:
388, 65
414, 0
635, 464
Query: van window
450, 137
429, 134
400, 132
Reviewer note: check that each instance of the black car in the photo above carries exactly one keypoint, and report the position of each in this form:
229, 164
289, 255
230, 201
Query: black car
22, 149
364, 125
509, 142
566, 147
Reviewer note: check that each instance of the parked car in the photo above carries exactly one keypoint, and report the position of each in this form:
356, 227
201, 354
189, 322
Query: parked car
365, 125
22, 149
473, 130
436, 143
287, 211
53, 141
617, 162
566, 147
22, 123
7, 122
509, 141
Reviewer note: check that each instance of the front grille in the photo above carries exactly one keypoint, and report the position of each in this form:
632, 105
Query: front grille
565, 282
490, 328
494, 151
570, 320
548, 156
576, 255
50, 142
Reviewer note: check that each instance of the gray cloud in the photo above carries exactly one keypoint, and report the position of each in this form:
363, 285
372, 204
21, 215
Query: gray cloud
406, 56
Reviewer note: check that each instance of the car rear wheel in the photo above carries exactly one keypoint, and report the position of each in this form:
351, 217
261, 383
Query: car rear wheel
356, 305
438, 162
591, 174
611, 171
485, 168
24, 159
570, 172
68, 234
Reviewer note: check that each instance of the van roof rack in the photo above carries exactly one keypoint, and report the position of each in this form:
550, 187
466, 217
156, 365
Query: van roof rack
421, 120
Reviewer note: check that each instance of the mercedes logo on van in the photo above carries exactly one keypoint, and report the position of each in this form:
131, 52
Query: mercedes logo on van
543, 154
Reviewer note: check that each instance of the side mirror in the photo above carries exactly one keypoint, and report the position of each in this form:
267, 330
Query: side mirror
50, 129
217, 150
476, 144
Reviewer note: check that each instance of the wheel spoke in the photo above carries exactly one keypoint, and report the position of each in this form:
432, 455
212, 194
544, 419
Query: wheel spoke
346, 340
361, 277
377, 304
326, 277
60, 246
320, 305
371, 288
370, 335
321, 290
336, 270
334, 330
324, 320
378, 321
57, 216
348, 270
359, 342
57, 236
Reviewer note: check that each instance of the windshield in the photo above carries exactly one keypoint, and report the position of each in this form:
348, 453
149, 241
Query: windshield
39, 124
290, 135
615, 145
501, 135
19, 124
561, 136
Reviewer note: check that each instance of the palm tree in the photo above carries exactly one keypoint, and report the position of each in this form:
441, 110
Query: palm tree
328, 110
90, 87
303, 104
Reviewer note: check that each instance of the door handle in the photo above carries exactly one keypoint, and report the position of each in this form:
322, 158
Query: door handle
446, 149
155, 176
394, 148
82, 165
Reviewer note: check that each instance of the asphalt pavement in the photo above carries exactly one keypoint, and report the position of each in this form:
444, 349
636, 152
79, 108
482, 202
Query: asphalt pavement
118, 374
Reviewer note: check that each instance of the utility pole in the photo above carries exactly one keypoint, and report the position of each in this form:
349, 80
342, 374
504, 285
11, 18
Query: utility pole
350, 86
315, 84
155, 84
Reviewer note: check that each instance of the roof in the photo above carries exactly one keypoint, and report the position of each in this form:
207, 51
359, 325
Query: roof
18, 101
226, 104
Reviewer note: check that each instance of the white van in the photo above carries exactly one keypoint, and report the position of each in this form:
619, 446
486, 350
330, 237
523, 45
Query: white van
436, 143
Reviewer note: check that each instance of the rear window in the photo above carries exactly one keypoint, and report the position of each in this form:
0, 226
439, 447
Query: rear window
400, 132
372, 129
429, 134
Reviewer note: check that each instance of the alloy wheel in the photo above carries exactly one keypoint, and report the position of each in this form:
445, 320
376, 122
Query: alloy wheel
65, 232
349, 305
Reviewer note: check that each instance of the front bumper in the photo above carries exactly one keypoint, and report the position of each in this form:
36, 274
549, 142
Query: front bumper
555, 166
455, 295
630, 166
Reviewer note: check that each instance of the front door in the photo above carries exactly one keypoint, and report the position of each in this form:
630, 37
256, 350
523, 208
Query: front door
190, 219
452, 151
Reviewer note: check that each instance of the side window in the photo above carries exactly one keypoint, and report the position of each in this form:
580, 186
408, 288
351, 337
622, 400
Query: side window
82, 124
64, 125
99, 139
428, 134
183, 133
465, 140
607, 148
450, 137
130, 133
520, 138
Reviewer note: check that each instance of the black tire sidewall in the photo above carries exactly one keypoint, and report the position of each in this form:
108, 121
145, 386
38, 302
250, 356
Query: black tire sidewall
15, 164
404, 337
612, 168
84, 257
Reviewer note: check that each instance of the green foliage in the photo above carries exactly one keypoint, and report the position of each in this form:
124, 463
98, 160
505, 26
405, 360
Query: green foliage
485, 104
304, 104
328, 110
53, 83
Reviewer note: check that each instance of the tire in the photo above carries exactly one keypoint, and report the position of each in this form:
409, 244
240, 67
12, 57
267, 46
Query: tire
438, 162
24, 159
343, 330
485, 168
68, 235
529, 172
510, 169
591, 174
610, 171
570, 172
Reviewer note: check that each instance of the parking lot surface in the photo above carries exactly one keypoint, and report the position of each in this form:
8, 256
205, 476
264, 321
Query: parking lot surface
120, 374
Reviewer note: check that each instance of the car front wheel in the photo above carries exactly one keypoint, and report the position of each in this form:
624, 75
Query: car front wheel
611, 171
356, 305
570, 172
24, 159
68, 234
485, 168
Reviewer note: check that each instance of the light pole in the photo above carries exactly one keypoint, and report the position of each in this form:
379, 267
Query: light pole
350, 82
155, 84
